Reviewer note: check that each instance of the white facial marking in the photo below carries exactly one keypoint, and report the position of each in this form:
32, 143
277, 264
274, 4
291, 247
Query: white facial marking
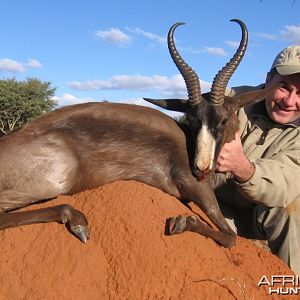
205, 149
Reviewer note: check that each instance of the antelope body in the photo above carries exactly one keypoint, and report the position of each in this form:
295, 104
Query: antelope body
83, 146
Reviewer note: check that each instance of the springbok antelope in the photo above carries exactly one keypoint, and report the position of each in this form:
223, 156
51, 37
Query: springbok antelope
87, 145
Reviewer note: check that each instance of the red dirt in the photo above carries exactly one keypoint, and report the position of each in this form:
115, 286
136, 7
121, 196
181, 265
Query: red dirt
128, 256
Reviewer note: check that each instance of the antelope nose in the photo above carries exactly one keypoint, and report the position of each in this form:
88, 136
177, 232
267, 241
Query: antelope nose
203, 168
206, 169
201, 174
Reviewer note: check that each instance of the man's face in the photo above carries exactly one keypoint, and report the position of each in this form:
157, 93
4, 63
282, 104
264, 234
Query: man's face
283, 104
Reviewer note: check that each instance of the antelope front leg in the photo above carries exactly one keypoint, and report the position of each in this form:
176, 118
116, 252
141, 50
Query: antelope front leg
180, 224
202, 194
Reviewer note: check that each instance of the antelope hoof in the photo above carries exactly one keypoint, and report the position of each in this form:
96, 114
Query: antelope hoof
176, 224
81, 232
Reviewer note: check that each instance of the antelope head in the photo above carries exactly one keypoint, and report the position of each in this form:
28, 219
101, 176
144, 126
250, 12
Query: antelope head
211, 116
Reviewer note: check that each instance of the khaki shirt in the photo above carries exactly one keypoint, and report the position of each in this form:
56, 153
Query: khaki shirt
274, 150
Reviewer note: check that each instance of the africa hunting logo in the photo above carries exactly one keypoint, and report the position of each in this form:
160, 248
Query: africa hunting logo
281, 284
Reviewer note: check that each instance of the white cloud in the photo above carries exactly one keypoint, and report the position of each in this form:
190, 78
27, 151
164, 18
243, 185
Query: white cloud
69, 99
215, 51
12, 66
9, 65
135, 82
292, 34
267, 36
151, 36
33, 63
232, 44
167, 86
142, 102
114, 36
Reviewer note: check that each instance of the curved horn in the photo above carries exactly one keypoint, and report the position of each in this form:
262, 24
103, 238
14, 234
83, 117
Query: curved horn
221, 79
190, 77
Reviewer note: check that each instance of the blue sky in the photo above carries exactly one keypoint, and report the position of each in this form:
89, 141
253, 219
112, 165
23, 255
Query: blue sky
116, 50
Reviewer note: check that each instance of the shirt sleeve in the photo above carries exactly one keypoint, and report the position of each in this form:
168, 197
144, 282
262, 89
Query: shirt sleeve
275, 179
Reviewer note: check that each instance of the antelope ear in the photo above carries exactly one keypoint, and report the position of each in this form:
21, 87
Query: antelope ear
246, 98
254, 94
170, 104
246, 95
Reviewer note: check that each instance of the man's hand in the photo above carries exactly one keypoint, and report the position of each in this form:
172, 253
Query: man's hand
232, 159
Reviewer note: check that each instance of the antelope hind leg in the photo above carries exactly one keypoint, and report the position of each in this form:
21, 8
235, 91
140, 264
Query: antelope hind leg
75, 221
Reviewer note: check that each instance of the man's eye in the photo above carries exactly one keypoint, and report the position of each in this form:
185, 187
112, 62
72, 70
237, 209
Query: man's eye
284, 88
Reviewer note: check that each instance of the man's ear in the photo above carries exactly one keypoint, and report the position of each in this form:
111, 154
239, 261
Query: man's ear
170, 104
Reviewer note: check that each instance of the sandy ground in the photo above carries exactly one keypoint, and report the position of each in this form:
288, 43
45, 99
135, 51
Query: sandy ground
128, 256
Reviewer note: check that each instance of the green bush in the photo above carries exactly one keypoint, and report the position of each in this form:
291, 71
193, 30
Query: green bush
182, 119
22, 101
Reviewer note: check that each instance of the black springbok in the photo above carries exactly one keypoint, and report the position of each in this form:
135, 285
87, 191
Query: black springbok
87, 145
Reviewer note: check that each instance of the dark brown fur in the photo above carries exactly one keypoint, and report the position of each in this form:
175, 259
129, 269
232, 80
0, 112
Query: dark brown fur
87, 145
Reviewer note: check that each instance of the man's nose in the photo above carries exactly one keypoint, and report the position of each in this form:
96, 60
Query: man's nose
290, 100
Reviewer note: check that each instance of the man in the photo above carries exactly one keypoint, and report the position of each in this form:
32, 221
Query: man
262, 164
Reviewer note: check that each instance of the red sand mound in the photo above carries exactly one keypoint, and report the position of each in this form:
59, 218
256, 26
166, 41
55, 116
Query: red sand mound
128, 256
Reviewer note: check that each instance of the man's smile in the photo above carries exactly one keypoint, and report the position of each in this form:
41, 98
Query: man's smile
283, 108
